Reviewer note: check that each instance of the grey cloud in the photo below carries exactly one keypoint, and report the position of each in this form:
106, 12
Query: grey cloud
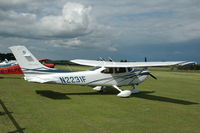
154, 21
13, 4
108, 25
71, 23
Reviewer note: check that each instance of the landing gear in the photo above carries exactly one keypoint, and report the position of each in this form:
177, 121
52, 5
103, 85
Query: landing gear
125, 93
135, 90
98, 88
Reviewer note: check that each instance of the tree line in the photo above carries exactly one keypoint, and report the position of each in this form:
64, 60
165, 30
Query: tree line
8, 56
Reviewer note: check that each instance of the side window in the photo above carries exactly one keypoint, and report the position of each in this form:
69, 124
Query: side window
120, 70
108, 70
129, 69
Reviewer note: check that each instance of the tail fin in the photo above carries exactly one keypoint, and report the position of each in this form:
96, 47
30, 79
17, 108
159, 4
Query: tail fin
28, 63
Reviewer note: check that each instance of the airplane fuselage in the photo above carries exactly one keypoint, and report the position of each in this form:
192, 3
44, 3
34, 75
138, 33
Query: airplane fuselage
91, 77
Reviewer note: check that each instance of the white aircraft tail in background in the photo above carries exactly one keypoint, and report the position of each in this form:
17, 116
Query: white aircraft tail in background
104, 73
25, 58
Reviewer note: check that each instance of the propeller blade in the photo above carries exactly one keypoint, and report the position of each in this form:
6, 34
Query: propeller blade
152, 76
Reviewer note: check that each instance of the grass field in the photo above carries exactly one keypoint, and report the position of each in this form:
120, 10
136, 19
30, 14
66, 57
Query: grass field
169, 104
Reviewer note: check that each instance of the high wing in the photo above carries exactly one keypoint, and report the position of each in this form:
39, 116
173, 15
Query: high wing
124, 64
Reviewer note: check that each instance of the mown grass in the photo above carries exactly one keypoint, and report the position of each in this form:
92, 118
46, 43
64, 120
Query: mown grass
169, 104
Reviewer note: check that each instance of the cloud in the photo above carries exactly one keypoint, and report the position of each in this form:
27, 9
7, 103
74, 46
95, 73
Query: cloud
73, 28
70, 43
100, 25
13, 4
152, 21
74, 21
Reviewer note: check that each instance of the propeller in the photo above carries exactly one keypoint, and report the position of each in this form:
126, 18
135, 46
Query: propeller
152, 76
148, 73
136, 75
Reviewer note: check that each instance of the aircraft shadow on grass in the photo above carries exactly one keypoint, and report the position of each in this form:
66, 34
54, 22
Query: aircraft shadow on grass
59, 95
143, 94
52, 94
147, 95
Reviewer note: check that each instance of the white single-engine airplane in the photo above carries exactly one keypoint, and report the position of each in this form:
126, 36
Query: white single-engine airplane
104, 73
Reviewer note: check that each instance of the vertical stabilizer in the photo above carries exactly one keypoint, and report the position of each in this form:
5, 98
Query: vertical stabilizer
26, 60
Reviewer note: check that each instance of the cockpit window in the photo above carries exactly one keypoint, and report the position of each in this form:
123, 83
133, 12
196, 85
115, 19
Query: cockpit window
94, 68
114, 70
108, 70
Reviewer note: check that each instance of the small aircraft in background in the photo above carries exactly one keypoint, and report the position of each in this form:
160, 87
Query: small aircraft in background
104, 73
12, 67
7, 63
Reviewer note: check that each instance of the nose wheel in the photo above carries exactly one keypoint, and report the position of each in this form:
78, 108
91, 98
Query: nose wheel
135, 90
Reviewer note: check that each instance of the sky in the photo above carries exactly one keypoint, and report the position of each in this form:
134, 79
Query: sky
161, 30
